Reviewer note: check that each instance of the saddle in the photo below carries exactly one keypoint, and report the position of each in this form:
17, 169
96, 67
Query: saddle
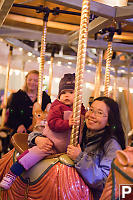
20, 142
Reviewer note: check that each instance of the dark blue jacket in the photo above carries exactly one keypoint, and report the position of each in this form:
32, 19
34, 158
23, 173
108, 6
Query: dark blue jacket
94, 166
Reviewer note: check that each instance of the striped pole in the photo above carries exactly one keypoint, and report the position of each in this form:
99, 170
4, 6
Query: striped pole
81, 57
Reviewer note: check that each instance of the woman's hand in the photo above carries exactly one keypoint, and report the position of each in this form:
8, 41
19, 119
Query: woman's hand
73, 152
43, 143
21, 129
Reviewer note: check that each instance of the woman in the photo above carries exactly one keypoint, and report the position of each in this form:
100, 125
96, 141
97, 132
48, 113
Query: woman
21, 105
102, 136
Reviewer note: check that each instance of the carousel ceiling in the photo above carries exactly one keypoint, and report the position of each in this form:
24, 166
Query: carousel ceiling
22, 20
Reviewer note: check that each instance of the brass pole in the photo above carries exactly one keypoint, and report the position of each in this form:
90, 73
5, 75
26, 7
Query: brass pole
6, 86
42, 61
107, 71
129, 100
23, 67
98, 75
81, 57
128, 83
51, 74
115, 85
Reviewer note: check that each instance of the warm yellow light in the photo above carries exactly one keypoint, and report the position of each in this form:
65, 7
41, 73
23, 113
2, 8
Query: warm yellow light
113, 2
120, 89
131, 90
17, 72
57, 80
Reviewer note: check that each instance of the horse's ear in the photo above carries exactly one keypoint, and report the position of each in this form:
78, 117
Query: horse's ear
48, 107
122, 157
36, 107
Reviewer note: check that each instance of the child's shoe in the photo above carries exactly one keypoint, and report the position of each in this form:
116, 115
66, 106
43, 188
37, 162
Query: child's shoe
7, 181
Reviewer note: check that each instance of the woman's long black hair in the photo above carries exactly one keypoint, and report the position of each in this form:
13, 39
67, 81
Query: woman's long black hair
114, 128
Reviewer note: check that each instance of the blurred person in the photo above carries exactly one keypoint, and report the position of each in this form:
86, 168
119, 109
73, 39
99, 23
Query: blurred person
21, 104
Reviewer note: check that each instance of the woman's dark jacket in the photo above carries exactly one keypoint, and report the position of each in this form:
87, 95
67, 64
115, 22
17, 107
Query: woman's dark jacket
20, 109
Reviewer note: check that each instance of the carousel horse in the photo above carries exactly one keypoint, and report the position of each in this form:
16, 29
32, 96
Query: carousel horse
53, 178
121, 173
39, 118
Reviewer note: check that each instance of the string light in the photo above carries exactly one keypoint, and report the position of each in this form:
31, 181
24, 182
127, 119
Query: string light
11, 72
20, 49
131, 90
29, 54
38, 59
25, 73
49, 62
17, 72
120, 89
59, 63
110, 88
57, 80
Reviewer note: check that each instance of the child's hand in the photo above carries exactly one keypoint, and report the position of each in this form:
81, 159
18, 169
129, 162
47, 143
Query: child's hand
73, 152
21, 129
72, 121
43, 143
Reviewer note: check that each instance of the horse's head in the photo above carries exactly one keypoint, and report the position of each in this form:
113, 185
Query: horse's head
124, 166
39, 118
121, 173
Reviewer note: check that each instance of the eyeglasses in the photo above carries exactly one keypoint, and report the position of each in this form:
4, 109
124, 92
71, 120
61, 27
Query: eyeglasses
98, 113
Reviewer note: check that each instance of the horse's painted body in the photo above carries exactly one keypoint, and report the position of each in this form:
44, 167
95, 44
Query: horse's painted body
121, 173
57, 182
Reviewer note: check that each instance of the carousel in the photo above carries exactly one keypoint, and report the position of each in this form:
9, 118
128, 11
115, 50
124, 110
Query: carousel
55, 177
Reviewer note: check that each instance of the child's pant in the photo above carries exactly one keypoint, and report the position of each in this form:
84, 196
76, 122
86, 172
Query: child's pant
32, 156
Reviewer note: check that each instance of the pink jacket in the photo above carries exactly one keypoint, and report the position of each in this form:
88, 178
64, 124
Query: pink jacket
57, 129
